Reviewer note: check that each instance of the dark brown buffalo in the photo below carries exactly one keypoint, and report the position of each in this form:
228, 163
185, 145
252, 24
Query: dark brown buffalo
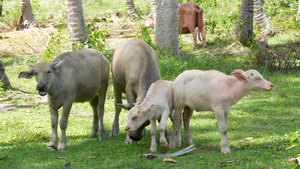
134, 68
191, 16
72, 77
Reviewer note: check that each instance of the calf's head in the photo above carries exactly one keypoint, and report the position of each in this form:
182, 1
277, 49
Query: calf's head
137, 116
43, 72
253, 79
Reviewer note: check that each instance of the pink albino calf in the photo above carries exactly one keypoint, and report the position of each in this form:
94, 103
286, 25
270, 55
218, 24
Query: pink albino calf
211, 91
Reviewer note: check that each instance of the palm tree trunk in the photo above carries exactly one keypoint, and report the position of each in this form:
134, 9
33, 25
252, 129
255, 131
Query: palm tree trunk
76, 22
166, 29
131, 11
153, 4
260, 17
245, 30
298, 17
26, 19
1, 3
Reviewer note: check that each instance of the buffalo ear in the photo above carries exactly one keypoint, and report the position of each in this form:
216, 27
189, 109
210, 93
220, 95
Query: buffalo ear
239, 74
28, 74
57, 65
149, 109
127, 106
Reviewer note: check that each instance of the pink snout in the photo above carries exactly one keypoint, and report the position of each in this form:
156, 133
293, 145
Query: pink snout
270, 86
128, 128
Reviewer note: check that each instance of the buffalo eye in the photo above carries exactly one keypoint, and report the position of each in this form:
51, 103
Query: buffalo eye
48, 72
134, 118
257, 78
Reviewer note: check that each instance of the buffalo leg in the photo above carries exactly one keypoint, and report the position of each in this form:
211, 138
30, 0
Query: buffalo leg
192, 29
118, 99
162, 130
221, 118
131, 98
175, 139
187, 114
54, 122
95, 127
100, 110
153, 147
62, 145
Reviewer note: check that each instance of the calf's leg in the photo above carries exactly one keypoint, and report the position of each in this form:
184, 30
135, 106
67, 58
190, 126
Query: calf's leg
162, 130
175, 139
153, 147
221, 118
187, 114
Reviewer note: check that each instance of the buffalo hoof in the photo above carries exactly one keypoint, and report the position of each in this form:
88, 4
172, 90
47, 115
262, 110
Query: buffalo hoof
113, 135
51, 146
129, 141
93, 134
62, 149
225, 150
102, 138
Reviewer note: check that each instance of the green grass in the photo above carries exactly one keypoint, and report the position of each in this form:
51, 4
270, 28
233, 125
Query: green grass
267, 119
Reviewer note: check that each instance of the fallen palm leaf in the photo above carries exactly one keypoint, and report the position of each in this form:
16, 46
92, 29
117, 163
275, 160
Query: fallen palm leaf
178, 153
169, 160
223, 164
67, 165
249, 138
61, 157
3, 157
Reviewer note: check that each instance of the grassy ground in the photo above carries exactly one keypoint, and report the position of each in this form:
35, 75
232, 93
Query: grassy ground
260, 125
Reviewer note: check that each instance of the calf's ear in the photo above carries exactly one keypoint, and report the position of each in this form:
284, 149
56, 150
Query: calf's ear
28, 74
239, 74
149, 109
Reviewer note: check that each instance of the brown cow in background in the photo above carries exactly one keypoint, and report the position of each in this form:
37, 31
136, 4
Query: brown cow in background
191, 16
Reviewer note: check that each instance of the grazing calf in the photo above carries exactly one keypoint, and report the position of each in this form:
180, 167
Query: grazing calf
211, 91
72, 77
191, 16
134, 68
158, 104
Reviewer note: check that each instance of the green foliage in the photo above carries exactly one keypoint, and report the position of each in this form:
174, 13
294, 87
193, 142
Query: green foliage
54, 46
143, 33
295, 138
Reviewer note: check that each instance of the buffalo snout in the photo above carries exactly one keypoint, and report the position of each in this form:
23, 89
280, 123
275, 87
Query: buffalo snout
42, 88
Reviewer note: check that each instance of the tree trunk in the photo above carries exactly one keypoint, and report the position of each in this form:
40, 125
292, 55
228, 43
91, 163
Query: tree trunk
76, 22
26, 19
153, 4
245, 29
260, 17
298, 17
166, 29
1, 3
131, 11
3, 77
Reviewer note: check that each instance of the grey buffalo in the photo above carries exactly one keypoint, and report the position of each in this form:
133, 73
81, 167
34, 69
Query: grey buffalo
134, 68
72, 77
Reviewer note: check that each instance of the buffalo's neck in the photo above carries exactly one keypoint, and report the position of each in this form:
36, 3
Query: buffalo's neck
55, 88
237, 90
